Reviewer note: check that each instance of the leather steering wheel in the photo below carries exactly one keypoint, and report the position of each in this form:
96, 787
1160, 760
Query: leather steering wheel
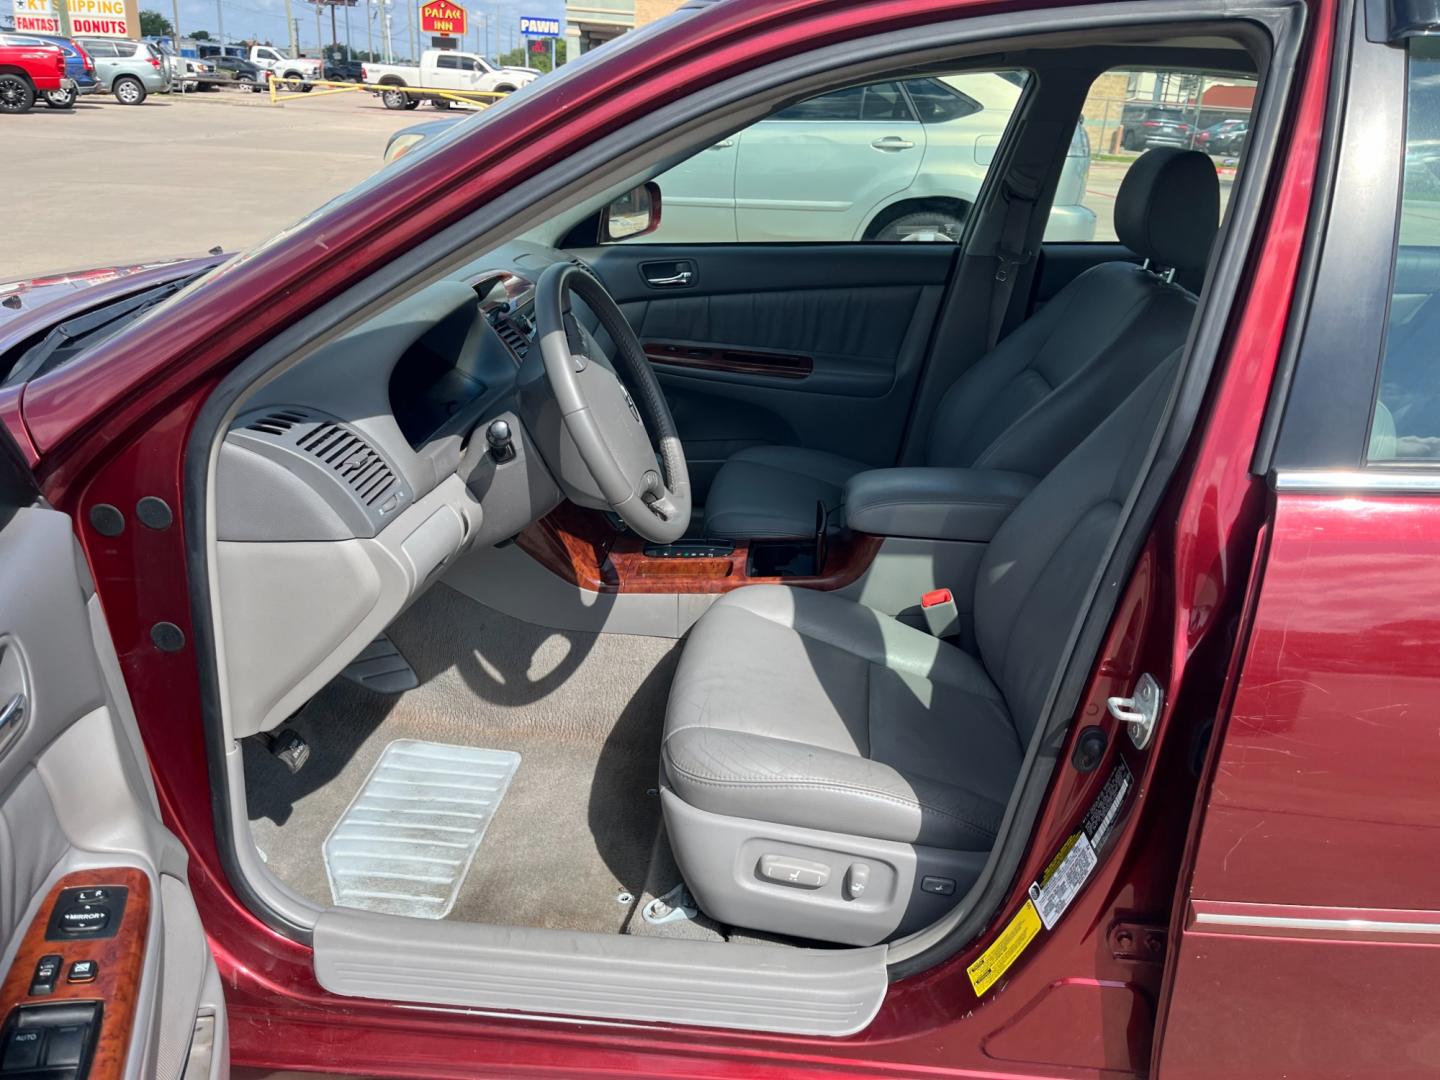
619, 437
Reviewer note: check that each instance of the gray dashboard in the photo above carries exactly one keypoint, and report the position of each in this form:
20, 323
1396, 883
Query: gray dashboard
348, 483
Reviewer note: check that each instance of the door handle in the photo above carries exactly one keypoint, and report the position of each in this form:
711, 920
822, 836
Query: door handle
12, 713
682, 278
892, 142
723, 144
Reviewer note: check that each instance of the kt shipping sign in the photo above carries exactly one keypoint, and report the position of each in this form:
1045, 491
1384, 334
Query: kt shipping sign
97, 18
440, 17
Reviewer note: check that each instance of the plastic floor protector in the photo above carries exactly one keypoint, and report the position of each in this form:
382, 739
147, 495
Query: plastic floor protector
406, 841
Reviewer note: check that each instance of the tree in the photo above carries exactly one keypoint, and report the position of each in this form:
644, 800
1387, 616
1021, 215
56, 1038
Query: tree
153, 24
200, 35
540, 61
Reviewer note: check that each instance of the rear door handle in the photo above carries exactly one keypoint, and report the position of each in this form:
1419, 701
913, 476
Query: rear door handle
892, 142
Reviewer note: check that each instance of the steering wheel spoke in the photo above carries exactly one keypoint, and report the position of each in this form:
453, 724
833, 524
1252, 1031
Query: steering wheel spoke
614, 412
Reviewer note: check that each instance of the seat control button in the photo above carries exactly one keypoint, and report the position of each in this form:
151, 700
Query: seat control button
857, 878
940, 886
801, 873
46, 972
83, 971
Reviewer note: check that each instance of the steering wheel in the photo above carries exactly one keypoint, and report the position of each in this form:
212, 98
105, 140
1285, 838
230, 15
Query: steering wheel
619, 437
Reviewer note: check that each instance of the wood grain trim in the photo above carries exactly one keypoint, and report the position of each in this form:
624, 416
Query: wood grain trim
121, 959
580, 546
772, 365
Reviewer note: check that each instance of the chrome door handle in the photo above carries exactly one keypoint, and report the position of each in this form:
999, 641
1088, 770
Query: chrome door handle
12, 713
723, 144
892, 142
682, 278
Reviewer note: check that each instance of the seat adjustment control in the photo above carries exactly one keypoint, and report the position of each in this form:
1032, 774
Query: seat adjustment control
939, 886
801, 873
857, 880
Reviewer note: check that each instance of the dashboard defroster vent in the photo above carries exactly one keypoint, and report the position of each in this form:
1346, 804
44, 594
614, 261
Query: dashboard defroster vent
354, 460
279, 422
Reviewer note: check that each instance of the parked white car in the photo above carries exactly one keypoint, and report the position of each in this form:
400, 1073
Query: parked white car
888, 161
443, 69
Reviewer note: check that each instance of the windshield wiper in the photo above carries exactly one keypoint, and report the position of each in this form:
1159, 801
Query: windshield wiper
72, 337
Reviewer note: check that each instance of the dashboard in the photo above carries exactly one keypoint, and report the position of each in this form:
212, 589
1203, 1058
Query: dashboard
348, 483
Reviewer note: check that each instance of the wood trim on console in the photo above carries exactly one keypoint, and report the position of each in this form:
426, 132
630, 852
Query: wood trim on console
580, 546
121, 961
773, 365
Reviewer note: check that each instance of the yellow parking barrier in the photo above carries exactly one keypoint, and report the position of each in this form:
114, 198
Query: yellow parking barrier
321, 88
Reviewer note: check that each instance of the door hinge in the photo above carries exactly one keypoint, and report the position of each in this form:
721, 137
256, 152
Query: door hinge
1138, 941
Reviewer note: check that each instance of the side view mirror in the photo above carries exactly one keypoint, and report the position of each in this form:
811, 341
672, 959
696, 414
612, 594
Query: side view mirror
635, 213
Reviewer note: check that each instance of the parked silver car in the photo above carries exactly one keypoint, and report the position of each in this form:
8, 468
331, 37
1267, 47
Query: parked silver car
131, 70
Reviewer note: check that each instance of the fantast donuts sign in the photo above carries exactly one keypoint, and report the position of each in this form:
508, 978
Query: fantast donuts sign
99, 18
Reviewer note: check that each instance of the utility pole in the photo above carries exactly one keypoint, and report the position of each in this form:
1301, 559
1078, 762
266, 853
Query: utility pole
349, 47
293, 30
63, 10
319, 35
410, 28
369, 31
179, 58
219, 18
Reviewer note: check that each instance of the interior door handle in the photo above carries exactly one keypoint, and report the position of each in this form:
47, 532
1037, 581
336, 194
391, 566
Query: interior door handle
892, 142
682, 278
11, 714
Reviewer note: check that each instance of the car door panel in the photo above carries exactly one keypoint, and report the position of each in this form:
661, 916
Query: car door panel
78, 810
857, 319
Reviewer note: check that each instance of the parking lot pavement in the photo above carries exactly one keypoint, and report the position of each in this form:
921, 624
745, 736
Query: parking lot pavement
107, 183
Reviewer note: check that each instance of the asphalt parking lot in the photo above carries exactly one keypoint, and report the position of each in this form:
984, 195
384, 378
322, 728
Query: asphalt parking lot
108, 183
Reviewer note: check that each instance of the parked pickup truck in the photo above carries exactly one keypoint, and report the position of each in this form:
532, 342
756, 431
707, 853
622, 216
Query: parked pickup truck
295, 72
27, 70
442, 69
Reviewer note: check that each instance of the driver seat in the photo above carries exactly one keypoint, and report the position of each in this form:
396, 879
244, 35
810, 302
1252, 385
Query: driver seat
831, 773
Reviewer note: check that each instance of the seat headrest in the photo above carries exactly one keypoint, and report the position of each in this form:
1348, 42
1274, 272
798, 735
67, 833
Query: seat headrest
1168, 207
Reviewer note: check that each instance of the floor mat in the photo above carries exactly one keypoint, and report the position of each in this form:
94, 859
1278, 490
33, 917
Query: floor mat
405, 844
570, 845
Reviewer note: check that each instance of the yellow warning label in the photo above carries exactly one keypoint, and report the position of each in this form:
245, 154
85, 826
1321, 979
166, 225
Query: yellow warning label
996, 960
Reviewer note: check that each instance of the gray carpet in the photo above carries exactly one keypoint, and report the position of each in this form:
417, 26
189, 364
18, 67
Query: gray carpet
584, 711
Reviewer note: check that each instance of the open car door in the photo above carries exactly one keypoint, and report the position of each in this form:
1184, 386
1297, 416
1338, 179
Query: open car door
106, 970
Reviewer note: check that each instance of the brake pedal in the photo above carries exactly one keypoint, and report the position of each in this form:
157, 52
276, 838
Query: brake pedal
287, 745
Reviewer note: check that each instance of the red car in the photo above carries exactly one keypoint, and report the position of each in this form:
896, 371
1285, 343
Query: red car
559, 653
26, 71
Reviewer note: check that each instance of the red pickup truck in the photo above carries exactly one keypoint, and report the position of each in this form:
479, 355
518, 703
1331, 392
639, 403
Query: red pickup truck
28, 70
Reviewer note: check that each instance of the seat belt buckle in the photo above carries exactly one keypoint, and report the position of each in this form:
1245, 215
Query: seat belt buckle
942, 617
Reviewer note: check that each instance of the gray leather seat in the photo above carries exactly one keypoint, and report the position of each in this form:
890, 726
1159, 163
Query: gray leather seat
1030, 400
808, 733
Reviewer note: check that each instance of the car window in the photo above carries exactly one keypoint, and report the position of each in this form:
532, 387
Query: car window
469, 63
937, 102
445, 61
1405, 421
887, 161
1130, 111
100, 48
124, 48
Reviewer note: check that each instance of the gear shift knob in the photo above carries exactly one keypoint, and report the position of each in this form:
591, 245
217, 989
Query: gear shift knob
498, 436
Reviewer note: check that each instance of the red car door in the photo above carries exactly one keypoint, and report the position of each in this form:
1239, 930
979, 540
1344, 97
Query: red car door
1310, 907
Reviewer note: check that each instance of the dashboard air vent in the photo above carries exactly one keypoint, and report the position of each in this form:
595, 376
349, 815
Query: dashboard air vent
279, 422
514, 339
354, 460
583, 265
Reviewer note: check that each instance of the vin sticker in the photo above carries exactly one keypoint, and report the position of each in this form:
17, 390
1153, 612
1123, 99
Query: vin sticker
1076, 861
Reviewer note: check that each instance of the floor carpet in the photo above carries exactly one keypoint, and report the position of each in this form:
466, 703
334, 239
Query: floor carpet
574, 835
